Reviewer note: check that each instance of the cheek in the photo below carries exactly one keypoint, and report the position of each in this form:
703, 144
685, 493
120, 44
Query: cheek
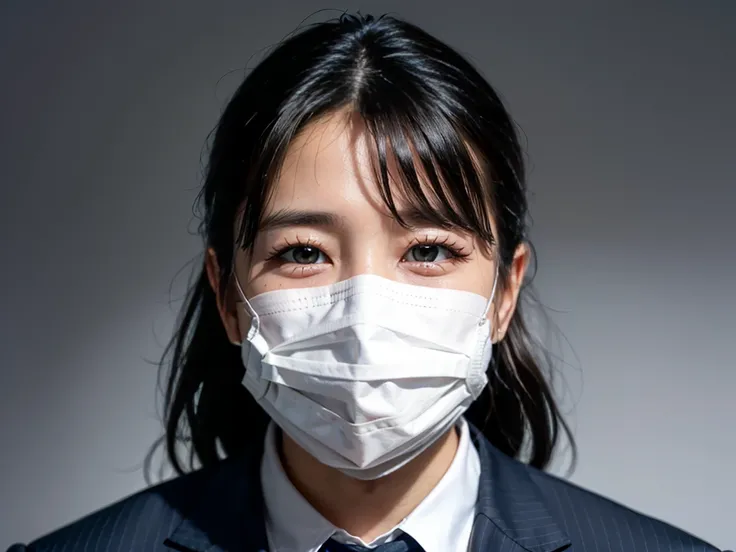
480, 277
252, 276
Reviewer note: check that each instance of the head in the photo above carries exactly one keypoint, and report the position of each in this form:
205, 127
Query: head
359, 146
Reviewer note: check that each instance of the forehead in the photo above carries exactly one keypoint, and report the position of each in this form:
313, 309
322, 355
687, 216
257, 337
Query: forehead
331, 160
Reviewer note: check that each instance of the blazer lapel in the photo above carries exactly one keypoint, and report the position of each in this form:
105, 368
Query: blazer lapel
229, 515
511, 514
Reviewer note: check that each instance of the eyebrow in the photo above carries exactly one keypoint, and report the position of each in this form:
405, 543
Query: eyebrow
285, 218
415, 218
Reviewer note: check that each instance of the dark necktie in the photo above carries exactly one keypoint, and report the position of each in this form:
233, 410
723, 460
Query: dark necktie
402, 544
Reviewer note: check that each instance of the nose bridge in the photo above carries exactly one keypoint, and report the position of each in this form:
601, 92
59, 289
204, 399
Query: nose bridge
366, 252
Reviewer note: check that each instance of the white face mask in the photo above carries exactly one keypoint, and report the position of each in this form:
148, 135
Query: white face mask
367, 373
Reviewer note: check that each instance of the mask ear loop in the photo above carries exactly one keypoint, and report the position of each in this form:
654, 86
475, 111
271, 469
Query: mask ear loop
255, 321
490, 301
255, 384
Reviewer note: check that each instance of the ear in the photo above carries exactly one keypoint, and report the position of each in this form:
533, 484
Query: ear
226, 305
507, 299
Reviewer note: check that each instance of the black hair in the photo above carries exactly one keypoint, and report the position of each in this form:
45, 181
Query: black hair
430, 110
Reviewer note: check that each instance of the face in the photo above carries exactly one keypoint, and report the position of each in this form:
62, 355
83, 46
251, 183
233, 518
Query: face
326, 222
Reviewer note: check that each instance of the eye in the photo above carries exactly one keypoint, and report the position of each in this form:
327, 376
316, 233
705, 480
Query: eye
303, 254
428, 253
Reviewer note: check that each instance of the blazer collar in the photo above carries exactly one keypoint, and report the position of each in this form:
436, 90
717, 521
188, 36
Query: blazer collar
511, 514
229, 513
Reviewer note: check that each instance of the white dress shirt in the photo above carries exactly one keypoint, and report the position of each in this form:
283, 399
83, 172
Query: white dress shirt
442, 522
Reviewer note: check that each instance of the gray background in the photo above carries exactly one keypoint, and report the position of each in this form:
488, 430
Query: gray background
630, 116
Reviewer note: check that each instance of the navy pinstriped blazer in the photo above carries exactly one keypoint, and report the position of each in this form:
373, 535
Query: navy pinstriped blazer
219, 508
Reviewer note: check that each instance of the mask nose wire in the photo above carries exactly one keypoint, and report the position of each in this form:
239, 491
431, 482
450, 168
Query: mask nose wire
256, 321
490, 301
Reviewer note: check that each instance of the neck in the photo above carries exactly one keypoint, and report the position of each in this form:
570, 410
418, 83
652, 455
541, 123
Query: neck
367, 509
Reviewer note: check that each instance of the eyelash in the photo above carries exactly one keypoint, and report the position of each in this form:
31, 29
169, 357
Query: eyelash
458, 253
276, 252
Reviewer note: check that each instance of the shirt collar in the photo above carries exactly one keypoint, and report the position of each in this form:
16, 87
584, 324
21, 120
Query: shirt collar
437, 523
292, 524
444, 518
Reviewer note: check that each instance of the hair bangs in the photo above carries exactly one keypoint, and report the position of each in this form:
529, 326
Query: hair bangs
268, 160
427, 162
424, 161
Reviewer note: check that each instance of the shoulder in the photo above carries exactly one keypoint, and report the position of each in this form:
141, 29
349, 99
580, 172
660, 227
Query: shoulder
141, 521
528, 505
591, 519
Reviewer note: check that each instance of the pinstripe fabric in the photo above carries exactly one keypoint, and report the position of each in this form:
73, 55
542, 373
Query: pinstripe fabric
523, 509
220, 509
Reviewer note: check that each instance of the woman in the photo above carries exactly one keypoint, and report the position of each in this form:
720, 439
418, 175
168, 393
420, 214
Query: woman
352, 365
